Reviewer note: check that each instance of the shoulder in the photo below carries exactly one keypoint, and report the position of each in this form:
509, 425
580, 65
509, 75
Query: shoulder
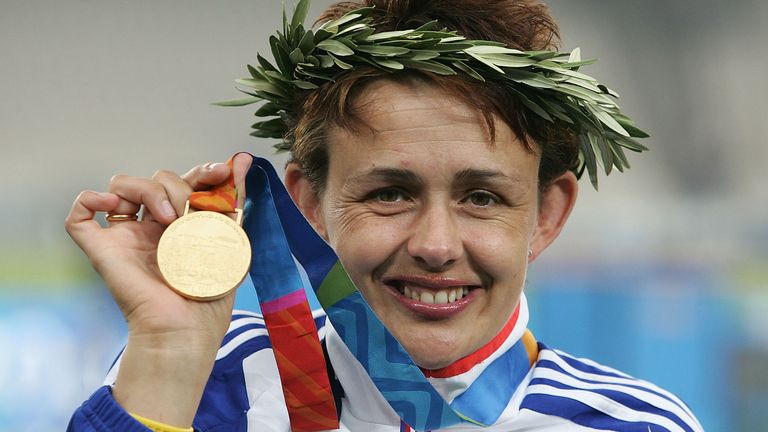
247, 335
243, 390
599, 397
244, 387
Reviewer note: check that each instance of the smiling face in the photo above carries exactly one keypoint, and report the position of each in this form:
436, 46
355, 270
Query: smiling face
431, 221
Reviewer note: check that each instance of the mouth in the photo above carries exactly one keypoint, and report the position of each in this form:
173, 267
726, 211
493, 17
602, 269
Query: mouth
429, 296
433, 298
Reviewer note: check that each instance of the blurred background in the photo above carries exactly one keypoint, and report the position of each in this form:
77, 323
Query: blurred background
663, 273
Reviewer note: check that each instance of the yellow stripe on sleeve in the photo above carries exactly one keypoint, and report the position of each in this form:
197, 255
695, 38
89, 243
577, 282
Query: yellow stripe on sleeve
156, 426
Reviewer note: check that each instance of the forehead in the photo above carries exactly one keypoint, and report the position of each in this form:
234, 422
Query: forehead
414, 124
387, 105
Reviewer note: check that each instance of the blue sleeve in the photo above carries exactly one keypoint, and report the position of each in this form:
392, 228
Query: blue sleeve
100, 413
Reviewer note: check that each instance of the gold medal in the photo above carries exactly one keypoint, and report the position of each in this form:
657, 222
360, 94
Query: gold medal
205, 254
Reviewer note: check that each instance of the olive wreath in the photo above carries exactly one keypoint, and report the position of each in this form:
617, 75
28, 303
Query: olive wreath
547, 83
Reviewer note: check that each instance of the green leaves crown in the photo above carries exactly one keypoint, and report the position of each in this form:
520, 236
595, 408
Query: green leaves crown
548, 83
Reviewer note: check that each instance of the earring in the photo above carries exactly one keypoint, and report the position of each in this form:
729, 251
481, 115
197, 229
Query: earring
530, 253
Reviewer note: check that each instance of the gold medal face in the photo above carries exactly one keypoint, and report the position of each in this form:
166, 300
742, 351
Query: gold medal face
203, 255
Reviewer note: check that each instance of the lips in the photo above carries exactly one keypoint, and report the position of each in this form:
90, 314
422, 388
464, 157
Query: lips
434, 298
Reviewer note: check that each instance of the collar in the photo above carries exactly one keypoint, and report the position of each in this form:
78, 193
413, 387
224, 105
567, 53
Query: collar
452, 380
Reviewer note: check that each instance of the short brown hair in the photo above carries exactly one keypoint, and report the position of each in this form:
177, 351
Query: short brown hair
521, 24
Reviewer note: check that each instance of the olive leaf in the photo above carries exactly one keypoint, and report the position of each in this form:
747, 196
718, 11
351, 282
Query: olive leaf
238, 102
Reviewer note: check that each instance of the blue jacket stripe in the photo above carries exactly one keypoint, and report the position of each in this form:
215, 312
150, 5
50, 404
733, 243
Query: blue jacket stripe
547, 364
624, 399
583, 414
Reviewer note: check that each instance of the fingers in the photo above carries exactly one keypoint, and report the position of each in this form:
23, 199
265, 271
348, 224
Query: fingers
79, 222
137, 191
165, 194
124, 206
176, 188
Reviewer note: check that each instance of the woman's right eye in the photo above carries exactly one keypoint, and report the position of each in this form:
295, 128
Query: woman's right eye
388, 195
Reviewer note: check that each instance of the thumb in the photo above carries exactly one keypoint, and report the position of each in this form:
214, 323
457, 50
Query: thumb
206, 175
240, 166
79, 222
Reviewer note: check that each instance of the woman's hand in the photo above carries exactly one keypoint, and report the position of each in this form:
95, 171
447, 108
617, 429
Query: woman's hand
172, 340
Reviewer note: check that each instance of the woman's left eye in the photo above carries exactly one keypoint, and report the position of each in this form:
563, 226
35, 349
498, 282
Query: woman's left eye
482, 198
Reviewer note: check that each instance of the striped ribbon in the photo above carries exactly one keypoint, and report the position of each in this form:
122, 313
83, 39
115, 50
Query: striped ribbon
283, 242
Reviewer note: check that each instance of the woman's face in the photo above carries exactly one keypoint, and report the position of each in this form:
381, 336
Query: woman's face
432, 222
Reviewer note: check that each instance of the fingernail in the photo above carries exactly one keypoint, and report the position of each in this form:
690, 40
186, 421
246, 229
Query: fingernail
104, 194
167, 209
213, 166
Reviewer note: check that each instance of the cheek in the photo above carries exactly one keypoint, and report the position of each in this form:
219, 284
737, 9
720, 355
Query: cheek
362, 240
499, 247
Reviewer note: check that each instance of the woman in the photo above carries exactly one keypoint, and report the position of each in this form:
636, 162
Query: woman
435, 191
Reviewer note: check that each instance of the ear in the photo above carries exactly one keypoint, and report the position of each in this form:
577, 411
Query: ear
305, 198
555, 205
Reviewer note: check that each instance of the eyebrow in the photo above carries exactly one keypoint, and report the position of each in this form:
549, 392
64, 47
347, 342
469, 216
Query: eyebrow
408, 178
471, 175
389, 175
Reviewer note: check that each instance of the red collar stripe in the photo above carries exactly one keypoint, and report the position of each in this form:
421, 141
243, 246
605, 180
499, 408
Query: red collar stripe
464, 364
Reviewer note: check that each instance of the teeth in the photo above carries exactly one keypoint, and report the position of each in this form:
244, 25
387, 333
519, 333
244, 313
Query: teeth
431, 297
441, 297
427, 297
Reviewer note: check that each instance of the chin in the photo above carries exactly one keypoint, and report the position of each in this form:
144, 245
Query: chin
435, 350
432, 363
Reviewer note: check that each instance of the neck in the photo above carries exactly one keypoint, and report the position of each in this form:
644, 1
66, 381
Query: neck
452, 380
468, 362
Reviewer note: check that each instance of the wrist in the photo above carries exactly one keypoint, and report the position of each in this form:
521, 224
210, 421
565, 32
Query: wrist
162, 378
199, 325
193, 343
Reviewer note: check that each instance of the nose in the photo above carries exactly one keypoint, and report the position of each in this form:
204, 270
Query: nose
435, 241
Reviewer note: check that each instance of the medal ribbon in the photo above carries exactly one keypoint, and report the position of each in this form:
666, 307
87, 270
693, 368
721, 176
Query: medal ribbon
222, 198
282, 242
287, 315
